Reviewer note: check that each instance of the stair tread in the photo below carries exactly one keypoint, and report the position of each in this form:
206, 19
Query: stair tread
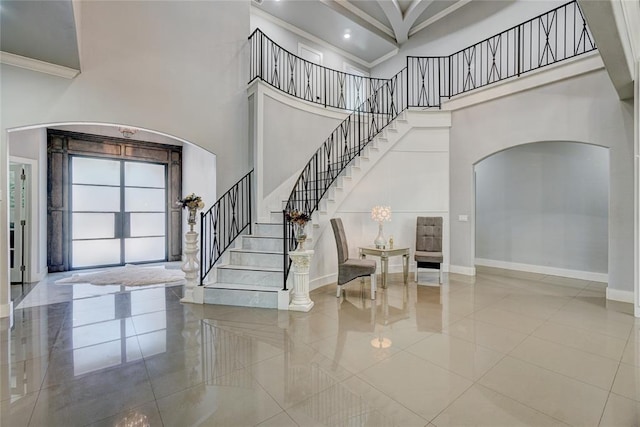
241, 287
250, 268
255, 251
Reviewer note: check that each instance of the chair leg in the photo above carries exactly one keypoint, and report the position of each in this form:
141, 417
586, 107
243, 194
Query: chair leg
440, 274
338, 291
373, 286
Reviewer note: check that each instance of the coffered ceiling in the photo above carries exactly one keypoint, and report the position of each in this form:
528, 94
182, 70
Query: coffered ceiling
375, 28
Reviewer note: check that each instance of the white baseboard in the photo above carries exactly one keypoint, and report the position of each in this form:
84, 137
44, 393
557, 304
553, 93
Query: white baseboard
541, 269
618, 295
460, 269
319, 282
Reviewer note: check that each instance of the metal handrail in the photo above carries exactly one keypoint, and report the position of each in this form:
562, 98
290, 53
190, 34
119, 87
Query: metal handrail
229, 216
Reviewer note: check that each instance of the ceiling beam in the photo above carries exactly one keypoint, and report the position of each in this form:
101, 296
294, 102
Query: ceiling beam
400, 22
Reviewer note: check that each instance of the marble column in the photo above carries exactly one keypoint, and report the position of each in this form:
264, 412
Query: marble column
300, 268
191, 268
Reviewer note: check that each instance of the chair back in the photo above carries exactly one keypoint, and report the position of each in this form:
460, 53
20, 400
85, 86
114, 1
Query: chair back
429, 234
341, 240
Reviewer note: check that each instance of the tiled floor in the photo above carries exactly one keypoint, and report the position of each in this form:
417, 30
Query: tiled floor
500, 349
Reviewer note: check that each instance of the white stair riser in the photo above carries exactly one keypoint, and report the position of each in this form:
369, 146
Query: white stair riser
241, 298
256, 259
275, 217
250, 277
269, 244
267, 230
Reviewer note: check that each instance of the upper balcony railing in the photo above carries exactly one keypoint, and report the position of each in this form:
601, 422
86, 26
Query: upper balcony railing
305, 80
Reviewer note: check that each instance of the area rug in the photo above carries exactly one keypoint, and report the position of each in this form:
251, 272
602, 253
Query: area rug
129, 275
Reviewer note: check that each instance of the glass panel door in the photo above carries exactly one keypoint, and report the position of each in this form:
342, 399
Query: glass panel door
118, 212
95, 212
145, 212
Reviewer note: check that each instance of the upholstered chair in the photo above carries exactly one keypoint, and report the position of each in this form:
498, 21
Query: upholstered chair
349, 269
429, 244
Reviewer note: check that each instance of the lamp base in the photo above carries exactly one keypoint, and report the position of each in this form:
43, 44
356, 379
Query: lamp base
380, 242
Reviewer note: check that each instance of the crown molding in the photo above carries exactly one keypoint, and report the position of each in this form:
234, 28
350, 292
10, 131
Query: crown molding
317, 40
37, 65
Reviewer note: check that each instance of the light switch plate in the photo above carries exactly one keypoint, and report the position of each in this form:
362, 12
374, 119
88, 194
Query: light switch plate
463, 218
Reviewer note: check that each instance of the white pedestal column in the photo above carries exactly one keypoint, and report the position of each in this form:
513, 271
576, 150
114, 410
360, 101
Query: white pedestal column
191, 268
301, 261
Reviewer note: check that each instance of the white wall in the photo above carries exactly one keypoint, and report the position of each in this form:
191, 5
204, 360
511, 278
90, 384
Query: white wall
470, 24
291, 136
198, 176
584, 109
544, 204
176, 67
290, 41
413, 179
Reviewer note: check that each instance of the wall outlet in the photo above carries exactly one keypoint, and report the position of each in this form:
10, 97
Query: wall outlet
463, 218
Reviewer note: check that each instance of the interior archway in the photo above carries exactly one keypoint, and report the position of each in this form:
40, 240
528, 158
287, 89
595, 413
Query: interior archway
544, 207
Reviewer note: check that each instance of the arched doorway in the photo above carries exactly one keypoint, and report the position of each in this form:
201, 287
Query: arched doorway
543, 207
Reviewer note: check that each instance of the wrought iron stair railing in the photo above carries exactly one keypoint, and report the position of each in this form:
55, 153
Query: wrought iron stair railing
229, 216
549, 38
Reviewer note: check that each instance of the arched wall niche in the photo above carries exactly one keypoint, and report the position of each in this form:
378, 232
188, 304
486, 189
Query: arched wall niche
544, 207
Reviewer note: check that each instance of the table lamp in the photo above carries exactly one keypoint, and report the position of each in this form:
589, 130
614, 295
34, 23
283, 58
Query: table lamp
380, 214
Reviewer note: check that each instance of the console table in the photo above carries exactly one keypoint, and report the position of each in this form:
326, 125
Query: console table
384, 255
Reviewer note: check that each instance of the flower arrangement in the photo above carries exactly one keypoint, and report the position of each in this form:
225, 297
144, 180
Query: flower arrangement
191, 202
298, 218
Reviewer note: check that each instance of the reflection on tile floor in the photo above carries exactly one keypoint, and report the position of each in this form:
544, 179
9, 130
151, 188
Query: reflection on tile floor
500, 349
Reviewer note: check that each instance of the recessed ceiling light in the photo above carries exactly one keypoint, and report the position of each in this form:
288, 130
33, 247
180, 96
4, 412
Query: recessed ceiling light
347, 35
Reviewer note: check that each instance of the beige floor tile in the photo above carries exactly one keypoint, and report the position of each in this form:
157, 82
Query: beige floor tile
592, 322
540, 306
631, 354
582, 339
421, 386
389, 408
144, 415
558, 396
486, 335
590, 368
627, 382
234, 399
509, 320
337, 406
296, 376
620, 411
480, 406
17, 412
93, 397
280, 420
354, 351
456, 355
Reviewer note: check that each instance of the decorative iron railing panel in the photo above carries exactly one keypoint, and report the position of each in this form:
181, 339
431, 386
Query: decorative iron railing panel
554, 36
229, 216
305, 80
551, 37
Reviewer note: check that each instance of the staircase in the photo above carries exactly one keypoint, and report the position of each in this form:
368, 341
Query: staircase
252, 277
252, 274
